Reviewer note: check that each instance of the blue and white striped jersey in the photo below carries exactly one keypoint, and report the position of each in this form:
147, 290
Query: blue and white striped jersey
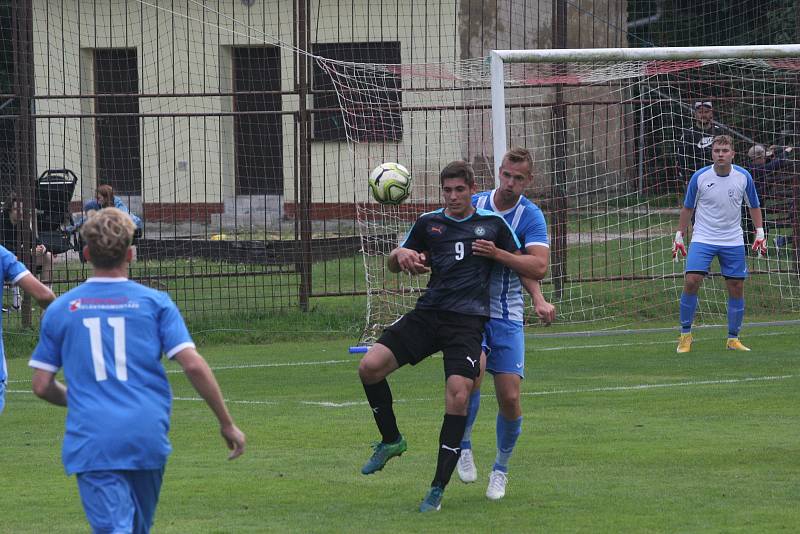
528, 223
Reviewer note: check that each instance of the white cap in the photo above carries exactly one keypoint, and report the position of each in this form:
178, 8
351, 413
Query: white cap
757, 151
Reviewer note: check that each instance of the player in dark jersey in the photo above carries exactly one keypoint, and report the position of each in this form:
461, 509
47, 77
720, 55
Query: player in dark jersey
461, 243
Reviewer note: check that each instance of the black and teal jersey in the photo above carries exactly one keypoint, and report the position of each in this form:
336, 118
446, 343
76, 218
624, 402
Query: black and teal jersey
459, 280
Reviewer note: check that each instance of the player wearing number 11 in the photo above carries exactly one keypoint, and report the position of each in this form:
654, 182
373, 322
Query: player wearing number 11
108, 335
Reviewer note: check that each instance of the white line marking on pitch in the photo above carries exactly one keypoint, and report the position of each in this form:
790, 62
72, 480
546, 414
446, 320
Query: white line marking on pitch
242, 366
638, 387
642, 343
262, 365
328, 404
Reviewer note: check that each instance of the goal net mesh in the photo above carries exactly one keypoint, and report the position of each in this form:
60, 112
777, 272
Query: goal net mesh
614, 145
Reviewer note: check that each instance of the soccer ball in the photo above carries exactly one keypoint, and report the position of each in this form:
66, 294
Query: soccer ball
390, 183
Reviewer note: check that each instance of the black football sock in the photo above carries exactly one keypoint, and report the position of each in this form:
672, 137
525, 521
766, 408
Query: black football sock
449, 448
380, 400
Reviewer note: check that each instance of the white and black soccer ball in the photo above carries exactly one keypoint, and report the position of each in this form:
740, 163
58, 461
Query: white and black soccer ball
390, 183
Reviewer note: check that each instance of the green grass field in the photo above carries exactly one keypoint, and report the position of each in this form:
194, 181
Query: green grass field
621, 434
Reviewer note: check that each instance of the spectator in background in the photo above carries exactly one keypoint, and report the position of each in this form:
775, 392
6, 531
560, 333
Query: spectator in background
765, 166
694, 145
11, 239
105, 198
763, 163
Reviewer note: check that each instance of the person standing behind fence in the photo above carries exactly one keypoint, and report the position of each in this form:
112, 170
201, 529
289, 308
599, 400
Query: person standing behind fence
764, 166
694, 145
11, 238
108, 334
715, 195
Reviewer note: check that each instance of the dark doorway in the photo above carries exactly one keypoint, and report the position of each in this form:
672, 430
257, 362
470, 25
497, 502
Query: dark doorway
117, 137
258, 136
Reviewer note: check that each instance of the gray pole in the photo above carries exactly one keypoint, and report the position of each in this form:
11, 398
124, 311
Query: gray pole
25, 131
558, 146
304, 156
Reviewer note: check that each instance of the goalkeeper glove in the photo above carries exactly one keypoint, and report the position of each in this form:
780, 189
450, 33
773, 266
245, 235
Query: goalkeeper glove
760, 242
677, 245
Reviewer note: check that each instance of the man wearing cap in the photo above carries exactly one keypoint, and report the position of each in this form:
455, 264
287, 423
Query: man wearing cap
694, 146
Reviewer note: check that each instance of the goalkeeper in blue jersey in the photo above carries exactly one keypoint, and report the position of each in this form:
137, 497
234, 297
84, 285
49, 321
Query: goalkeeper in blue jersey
714, 196
505, 338
108, 335
459, 242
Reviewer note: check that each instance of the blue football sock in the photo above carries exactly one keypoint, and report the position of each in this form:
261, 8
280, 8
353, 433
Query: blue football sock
735, 316
507, 433
472, 414
688, 307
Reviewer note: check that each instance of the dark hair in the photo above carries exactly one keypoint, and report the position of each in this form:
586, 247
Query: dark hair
458, 169
10, 199
519, 154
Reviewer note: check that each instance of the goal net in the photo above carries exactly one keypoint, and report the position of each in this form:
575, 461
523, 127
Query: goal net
616, 134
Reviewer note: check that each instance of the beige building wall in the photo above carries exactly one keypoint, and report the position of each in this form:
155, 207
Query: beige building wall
189, 52
191, 159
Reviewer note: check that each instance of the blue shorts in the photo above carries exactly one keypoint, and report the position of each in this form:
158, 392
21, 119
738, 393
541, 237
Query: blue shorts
732, 262
2, 395
120, 501
505, 341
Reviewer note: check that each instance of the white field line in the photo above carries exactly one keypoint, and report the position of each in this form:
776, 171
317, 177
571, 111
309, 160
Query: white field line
575, 391
331, 404
638, 387
531, 346
245, 366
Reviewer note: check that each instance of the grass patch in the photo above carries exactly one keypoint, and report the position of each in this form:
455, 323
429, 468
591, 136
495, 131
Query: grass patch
621, 434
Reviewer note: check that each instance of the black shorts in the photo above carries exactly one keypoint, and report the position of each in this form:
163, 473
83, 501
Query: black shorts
420, 333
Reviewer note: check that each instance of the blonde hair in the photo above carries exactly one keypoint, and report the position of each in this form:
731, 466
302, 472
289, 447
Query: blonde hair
108, 234
519, 154
724, 140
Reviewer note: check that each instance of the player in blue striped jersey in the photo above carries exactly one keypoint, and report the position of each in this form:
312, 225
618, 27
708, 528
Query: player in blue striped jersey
461, 244
714, 196
15, 273
505, 337
108, 335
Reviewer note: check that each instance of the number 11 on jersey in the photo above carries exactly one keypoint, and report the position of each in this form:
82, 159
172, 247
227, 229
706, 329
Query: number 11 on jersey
117, 324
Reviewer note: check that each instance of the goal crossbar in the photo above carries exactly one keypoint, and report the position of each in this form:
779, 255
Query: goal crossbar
578, 55
586, 55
